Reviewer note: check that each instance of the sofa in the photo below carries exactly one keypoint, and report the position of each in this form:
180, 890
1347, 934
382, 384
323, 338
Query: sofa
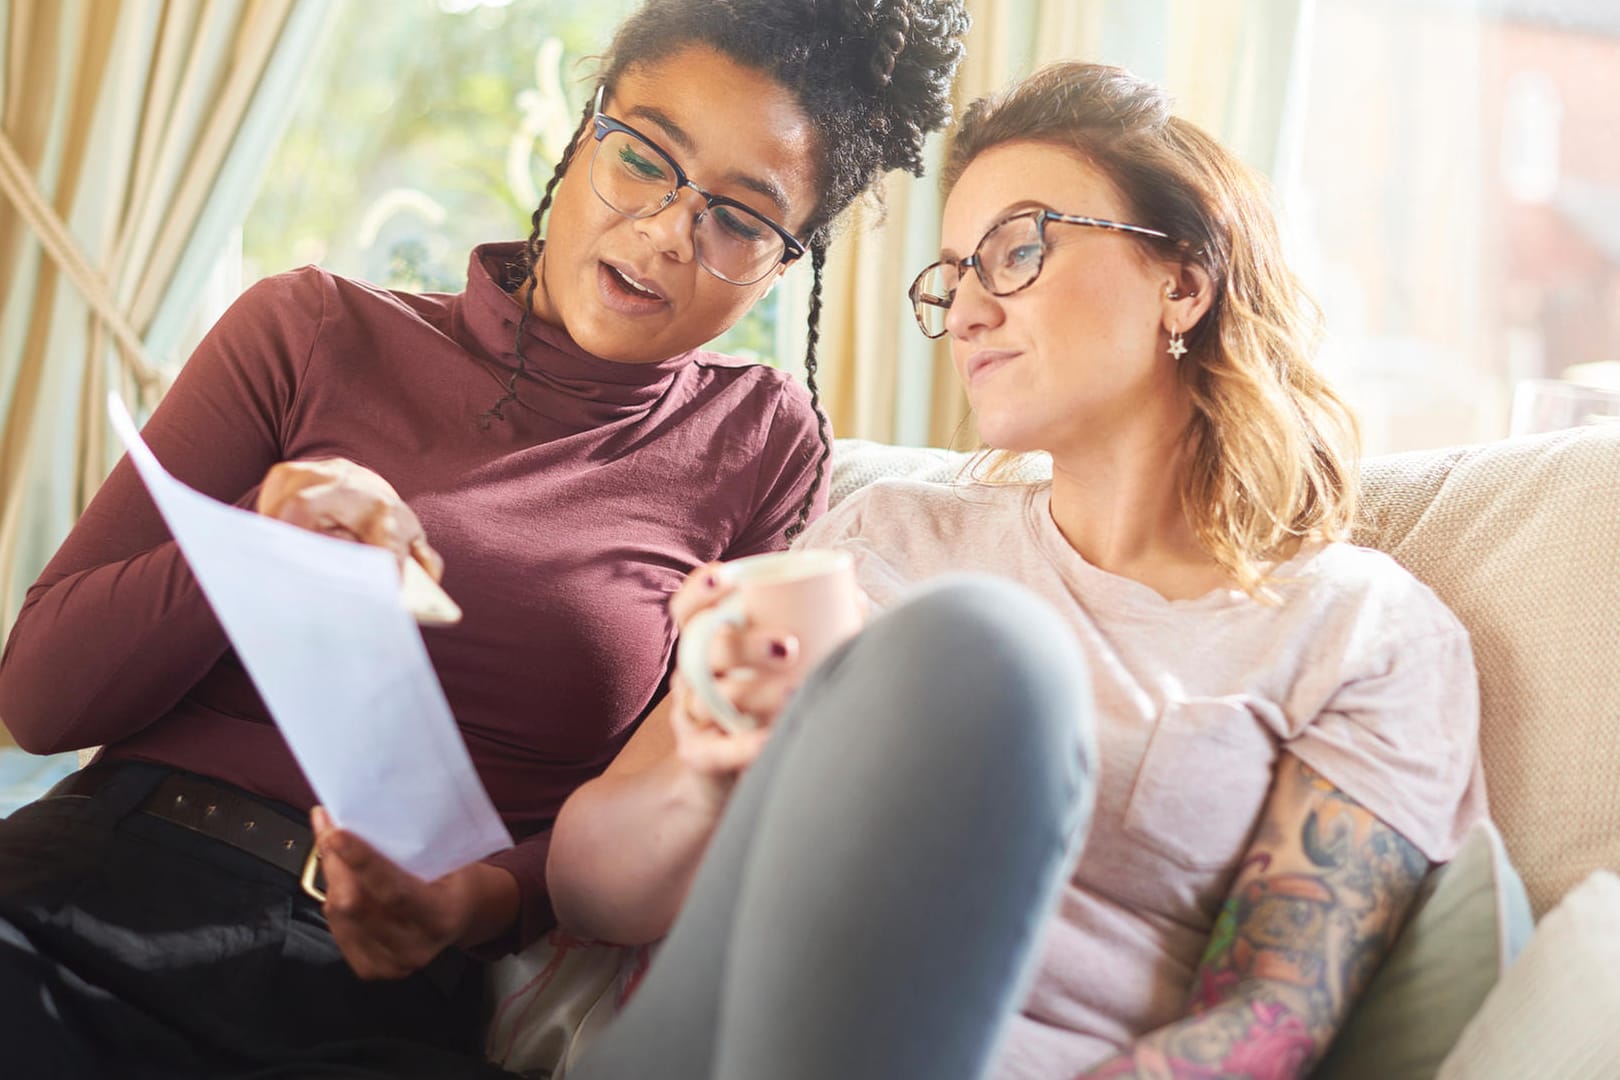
1521, 538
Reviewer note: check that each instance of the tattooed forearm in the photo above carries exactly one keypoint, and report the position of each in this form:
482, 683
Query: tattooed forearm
1318, 901
1251, 1036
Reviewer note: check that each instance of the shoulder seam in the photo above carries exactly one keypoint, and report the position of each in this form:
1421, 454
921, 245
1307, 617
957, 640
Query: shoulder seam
309, 357
759, 457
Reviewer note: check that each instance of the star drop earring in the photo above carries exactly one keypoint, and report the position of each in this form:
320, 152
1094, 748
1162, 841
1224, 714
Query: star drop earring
1178, 345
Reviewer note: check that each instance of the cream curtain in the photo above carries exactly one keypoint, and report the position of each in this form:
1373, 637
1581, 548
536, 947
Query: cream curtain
132, 135
1229, 64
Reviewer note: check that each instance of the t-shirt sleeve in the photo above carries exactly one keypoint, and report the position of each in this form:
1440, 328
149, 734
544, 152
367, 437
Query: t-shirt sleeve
787, 467
878, 525
116, 630
838, 526
1401, 734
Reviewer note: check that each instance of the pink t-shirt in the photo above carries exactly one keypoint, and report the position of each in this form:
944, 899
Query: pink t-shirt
1361, 673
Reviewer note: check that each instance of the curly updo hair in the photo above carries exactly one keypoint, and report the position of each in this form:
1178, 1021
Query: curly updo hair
873, 77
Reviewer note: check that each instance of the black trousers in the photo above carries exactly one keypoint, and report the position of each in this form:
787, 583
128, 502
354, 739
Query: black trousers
132, 947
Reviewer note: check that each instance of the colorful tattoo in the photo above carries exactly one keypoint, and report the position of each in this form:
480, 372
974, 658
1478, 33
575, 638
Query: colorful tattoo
1304, 927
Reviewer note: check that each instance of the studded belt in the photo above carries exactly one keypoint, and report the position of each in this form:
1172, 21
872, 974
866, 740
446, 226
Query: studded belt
222, 813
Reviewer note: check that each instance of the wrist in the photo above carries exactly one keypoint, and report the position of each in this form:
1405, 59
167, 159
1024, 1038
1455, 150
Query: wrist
698, 795
489, 903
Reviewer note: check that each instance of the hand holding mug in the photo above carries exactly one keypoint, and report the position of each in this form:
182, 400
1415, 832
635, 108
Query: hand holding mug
798, 605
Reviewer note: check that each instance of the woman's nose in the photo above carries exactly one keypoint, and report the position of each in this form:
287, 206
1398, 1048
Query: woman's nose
671, 230
973, 308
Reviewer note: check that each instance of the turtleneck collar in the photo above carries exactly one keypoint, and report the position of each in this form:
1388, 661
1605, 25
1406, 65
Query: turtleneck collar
560, 380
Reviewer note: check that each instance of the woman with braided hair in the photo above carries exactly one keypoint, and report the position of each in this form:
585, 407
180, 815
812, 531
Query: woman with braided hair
559, 434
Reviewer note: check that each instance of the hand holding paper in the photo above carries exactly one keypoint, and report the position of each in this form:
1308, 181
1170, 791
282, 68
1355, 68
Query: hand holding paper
320, 626
342, 498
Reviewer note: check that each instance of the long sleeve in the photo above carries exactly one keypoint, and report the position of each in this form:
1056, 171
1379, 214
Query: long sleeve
115, 631
526, 861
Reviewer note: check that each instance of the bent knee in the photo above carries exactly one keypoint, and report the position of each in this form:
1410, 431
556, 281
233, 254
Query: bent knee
988, 651
972, 626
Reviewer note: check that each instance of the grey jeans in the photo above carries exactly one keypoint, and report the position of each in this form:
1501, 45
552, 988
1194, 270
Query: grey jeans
871, 901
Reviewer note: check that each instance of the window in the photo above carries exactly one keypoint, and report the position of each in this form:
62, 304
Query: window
1449, 178
429, 127
1456, 206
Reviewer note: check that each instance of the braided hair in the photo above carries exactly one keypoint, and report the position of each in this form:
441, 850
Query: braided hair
531, 258
873, 77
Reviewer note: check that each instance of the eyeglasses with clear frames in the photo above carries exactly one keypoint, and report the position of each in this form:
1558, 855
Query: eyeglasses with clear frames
1008, 258
637, 178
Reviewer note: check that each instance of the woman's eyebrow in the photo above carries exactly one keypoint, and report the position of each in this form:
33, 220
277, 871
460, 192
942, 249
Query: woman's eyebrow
674, 131
677, 135
1020, 206
1010, 210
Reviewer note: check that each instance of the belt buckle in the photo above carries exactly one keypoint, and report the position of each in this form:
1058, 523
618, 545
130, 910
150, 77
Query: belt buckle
312, 867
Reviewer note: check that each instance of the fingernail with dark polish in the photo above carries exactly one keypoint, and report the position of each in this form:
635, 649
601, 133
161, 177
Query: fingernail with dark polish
779, 649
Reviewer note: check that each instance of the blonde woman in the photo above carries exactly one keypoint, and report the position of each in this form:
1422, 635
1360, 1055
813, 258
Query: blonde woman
1285, 724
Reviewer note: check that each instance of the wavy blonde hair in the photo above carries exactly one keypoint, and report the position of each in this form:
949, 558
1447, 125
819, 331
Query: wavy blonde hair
1273, 446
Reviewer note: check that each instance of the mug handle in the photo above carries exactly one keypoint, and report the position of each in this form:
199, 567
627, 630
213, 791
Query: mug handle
692, 660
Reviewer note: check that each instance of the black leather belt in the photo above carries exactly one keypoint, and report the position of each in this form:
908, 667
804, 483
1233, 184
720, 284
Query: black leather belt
222, 813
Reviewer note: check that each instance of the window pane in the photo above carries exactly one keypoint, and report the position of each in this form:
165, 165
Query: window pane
1458, 207
430, 126
426, 127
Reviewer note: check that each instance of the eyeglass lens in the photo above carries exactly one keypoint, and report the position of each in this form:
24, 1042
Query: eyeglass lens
635, 179
1007, 259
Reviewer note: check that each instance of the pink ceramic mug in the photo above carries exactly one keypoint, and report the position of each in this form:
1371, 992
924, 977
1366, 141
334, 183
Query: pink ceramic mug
810, 594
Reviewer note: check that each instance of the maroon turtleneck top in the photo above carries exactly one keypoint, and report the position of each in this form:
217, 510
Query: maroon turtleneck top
564, 528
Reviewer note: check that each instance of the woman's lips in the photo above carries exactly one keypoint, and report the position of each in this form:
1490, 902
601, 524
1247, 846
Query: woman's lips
985, 361
620, 295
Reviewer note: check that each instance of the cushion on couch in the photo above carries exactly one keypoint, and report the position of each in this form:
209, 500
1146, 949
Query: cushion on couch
1470, 921
1521, 538
1554, 1013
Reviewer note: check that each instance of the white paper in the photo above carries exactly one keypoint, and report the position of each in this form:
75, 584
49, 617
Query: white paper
319, 625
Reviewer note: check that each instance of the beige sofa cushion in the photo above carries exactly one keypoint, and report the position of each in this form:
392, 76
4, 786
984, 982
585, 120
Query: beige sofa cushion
1553, 1013
1522, 539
